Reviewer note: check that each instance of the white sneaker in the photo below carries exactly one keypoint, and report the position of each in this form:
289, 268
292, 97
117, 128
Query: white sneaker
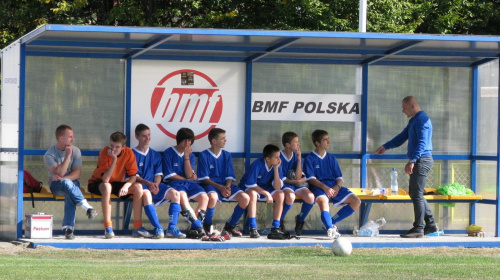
333, 232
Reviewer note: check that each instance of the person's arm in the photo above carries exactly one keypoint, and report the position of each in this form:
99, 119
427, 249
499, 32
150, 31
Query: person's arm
126, 186
269, 197
107, 174
277, 183
61, 169
188, 168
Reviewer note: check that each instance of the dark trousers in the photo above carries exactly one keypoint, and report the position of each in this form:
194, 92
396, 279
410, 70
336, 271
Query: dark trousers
417, 184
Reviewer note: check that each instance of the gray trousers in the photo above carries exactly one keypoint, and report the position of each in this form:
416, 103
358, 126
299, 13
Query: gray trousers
421, 208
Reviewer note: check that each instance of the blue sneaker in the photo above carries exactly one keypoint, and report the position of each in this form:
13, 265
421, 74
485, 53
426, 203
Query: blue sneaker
158, 233
175, 233
108, 233
141, 232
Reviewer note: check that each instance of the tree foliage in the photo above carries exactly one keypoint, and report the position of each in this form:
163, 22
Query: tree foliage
17, 17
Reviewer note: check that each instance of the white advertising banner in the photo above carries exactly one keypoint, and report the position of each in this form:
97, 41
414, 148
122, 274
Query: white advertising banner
306, 107
169, 95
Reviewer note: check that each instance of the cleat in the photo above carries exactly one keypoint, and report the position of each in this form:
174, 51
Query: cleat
225, 234
141, 232
207, 227
282, 226
175, 233
68, 234
196, 233
231, 229
108, 233
159, 234
91, 213
276, 233
254, 233
298, 226
333, 232
202, 214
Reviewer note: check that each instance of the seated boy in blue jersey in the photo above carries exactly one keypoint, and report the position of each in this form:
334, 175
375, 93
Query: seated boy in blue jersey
295, 183
325, 178
216, 174
264, 180
150, 176
178, 171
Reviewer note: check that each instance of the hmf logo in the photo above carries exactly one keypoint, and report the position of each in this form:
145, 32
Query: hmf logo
176, 104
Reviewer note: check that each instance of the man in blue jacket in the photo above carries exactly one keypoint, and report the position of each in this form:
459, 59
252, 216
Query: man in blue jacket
418, 132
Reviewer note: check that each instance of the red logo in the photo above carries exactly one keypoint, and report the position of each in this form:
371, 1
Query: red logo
176, 104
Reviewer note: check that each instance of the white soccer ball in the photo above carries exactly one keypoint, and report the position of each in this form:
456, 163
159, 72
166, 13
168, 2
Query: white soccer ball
341, 247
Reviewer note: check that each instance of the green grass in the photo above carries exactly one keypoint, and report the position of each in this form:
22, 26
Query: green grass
265, 263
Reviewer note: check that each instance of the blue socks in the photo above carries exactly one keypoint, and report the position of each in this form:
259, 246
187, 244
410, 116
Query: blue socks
326, 218
276, 224
152, 216
252, 222
209, 216
173, 213
286, 207
304, 211
196, 224
237, 213
343, 213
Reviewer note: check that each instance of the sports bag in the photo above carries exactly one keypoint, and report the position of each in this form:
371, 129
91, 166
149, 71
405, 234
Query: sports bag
31, 185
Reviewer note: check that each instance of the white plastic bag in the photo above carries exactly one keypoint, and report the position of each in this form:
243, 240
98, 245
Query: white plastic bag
371, 228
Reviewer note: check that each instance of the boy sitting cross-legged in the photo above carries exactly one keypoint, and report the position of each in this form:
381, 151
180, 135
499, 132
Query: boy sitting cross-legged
264, 179
216, 173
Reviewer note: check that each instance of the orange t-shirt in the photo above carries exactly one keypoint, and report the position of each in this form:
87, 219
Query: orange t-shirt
125, 164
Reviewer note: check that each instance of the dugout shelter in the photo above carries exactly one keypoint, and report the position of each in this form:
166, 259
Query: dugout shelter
256, 84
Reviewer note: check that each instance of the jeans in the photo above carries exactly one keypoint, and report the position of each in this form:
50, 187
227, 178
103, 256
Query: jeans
72, 197
417, 184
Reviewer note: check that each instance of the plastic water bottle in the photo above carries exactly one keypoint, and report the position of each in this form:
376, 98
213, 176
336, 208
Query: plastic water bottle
394, 181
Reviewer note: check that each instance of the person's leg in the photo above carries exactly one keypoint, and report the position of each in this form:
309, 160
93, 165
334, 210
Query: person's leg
213, 198
105, 190
252, 213
421, 208
136, 191
278, 198
352, 203
150, 210
243, 199
289, 198
324, 208
308, 202
62, 188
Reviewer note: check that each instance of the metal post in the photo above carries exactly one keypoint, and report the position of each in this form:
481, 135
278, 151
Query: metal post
362, 15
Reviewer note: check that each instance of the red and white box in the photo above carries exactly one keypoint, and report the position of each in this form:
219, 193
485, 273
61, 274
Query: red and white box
38, 226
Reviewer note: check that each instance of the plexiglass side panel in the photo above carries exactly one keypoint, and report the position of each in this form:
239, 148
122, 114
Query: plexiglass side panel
487, 122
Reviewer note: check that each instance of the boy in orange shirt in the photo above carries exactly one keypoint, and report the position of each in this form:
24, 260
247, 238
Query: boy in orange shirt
116, 174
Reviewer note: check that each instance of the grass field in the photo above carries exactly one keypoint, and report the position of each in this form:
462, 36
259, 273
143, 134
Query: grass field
19, 262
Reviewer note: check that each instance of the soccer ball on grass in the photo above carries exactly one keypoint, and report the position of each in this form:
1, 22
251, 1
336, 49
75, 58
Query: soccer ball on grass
341, 247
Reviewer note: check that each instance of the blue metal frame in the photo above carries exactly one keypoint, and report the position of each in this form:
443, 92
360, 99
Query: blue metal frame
473, 165
497, 209
128, 98
248, 112
20, 163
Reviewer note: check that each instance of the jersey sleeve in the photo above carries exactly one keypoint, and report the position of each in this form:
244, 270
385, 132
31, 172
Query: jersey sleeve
131, 165
157, 165
253, 173
309, 168
168, 168
103, 163
203, 167
229, 168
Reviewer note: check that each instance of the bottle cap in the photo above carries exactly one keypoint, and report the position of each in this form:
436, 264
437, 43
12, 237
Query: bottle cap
393, 169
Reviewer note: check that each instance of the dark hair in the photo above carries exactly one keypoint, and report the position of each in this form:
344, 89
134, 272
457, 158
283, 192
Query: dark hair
214, 132
183, 134
118, 137
317, 135
140, 128
288, 137
61, 129
269, 150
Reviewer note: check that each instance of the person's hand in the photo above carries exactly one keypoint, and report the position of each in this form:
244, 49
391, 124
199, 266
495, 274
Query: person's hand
332, 192
56, 178
269, 197
298, 152
301, 180
226, 191
124, 190
277, 164
379, 151
68, 150
409, 167
187, 151
153, 187
111, 154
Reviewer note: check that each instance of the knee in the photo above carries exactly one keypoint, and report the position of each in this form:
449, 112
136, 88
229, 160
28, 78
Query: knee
136, 189
290, 197
309, 198
244, 199
213, 197
174, 196
203, 198
105, 188
146, 197
355, 204
279, 195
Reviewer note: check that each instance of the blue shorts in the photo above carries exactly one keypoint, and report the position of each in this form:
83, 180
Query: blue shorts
295, 188
191, 188
160, 197
234, 191
343, 194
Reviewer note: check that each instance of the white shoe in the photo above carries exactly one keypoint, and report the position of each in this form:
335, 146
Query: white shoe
333, 232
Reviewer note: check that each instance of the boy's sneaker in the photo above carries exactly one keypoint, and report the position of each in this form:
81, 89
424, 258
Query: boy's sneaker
430, 229
333, 232
207, 227
276, 233
254, 233
282, 226
196, 233
175, 233
298, 226
68, 234
413, 233
91, 213
108, 233
141, 232
159, 234
232, 230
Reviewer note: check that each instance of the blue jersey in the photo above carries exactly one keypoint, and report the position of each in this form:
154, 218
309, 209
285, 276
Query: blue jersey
217, 168
288, 164
325, 169
173, 163
259, 175
148, 164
